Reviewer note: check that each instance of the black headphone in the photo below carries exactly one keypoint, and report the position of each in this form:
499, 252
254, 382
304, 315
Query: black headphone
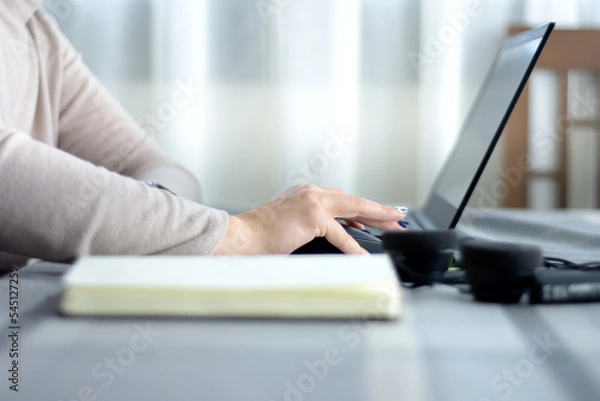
496, 271
420, 257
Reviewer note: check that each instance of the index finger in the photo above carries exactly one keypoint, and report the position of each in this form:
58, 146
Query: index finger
344, 206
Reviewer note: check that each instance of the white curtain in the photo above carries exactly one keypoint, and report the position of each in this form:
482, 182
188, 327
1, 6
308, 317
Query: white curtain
365, 95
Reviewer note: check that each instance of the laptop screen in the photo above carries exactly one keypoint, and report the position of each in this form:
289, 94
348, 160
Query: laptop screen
484, 124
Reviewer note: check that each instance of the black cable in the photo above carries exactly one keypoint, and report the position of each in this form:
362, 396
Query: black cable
559, 263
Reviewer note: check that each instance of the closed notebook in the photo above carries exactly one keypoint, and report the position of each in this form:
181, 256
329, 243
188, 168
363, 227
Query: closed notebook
303, 286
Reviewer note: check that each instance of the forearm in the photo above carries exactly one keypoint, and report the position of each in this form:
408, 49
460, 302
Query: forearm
54, 206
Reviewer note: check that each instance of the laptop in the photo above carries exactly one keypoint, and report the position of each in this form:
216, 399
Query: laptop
481, 130
479, 134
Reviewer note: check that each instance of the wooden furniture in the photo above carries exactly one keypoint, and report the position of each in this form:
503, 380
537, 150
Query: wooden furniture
566, 50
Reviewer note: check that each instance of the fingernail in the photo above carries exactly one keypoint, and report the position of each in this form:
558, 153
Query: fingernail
403, 223
402, 209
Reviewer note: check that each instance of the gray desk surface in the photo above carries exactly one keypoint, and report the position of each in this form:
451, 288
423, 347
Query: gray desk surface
444, 347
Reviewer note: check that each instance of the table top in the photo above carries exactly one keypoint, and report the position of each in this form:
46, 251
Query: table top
445, 346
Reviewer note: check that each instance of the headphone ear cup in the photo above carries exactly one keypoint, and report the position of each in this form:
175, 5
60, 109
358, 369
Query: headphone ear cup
499, 271
407, 241
420, 257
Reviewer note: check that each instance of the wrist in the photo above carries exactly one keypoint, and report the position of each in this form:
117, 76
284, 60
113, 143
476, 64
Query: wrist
242, 237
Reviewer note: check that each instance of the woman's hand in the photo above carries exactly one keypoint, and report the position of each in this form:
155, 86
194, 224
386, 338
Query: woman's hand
301, 214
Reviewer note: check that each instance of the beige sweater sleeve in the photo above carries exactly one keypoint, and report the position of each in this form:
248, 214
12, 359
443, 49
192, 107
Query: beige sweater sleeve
64, 191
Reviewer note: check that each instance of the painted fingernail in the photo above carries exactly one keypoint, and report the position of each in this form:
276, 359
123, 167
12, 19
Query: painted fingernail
402, 209
403, 224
